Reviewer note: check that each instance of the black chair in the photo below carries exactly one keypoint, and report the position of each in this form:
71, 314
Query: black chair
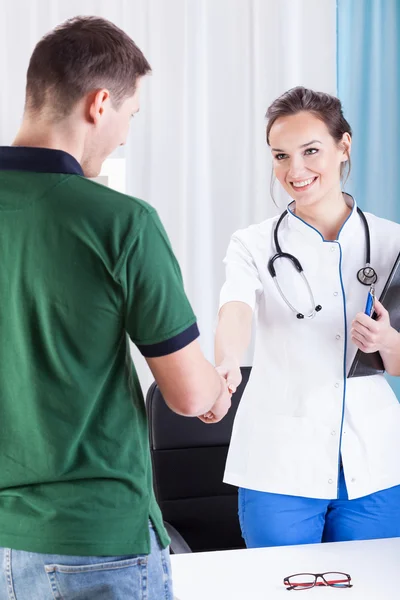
188, 459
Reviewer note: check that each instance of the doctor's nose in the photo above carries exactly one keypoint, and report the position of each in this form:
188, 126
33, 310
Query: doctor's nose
296, 167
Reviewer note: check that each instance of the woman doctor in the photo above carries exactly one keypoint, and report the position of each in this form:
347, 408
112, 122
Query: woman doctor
316, 455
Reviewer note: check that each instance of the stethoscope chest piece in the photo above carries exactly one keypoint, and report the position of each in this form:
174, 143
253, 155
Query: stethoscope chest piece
367, 275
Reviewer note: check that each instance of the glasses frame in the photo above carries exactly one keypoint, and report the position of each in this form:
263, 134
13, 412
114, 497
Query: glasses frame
317, 583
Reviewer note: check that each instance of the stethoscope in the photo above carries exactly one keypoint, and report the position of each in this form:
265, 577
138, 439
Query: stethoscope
367, 275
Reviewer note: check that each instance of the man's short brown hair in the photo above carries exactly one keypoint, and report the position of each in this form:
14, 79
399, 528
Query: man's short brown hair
81, 55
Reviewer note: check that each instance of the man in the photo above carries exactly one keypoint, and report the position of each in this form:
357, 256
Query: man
82, 268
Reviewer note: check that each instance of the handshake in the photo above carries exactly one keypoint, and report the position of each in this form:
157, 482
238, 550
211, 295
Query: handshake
230, 376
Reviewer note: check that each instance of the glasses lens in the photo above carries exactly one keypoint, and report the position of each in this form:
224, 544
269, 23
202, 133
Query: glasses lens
337, 579
301, 581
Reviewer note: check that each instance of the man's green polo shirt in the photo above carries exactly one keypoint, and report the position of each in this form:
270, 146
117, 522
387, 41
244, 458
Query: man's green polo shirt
82, 267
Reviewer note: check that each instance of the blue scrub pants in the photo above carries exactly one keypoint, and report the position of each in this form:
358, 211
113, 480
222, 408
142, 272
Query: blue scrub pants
279, 520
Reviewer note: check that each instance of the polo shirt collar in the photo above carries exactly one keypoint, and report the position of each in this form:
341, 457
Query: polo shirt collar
38, 160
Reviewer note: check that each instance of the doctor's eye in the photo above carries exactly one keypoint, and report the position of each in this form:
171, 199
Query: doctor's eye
310, 151
280, 156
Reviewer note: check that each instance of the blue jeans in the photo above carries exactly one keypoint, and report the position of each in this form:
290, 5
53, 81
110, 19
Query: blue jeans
30, 576
279, 520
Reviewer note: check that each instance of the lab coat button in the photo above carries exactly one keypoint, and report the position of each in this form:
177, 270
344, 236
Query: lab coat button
337, 385
338, 337
330, 480
336, 293
333, 432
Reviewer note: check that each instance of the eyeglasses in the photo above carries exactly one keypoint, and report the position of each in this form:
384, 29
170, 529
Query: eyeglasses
306, 581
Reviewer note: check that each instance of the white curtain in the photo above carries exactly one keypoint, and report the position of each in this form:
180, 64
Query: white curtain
197, 149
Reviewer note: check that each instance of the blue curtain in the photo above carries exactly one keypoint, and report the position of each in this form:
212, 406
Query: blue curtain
368, 81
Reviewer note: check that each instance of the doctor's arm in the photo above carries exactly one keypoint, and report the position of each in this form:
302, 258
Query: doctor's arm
232, 340
371, 335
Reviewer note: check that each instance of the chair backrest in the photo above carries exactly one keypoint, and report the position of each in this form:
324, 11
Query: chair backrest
188, 465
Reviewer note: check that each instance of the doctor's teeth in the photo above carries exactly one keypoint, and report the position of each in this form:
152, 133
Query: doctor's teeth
302, 183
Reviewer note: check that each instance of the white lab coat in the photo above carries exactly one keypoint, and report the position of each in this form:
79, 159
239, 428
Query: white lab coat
299, 411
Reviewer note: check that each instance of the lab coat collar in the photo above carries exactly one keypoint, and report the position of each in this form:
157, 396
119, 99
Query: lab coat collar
298, 224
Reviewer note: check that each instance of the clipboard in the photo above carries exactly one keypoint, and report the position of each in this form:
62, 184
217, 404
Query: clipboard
372, 364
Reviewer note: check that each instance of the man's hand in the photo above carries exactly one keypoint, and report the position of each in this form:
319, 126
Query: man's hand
221, 406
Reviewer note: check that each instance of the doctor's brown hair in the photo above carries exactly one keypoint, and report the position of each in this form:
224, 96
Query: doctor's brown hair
81, 55
325, 107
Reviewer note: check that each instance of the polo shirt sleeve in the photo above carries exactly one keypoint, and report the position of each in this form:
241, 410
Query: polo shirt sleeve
158, 315
242, 282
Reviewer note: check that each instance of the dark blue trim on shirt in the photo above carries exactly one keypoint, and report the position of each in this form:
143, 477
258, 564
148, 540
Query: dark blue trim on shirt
344, 368
38, 160
340, 466
172, 345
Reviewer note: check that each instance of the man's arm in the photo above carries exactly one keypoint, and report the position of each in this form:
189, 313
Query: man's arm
161, 322
189, 384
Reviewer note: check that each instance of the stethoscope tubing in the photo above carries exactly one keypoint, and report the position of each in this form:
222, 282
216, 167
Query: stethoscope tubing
365, 275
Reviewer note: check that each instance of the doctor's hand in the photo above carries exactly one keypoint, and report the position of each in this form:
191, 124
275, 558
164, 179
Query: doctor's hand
229, 369
371, 335
220, 407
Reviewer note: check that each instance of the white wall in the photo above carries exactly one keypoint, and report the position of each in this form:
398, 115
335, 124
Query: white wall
197, 150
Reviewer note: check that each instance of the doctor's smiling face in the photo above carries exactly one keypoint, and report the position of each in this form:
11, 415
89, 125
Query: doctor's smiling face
310, 141
307, 160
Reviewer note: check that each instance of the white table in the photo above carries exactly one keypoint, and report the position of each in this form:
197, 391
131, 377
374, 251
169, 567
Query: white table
374, 567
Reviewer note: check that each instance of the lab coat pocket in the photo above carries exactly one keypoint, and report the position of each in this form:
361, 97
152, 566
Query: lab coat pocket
380, 433
288, 444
